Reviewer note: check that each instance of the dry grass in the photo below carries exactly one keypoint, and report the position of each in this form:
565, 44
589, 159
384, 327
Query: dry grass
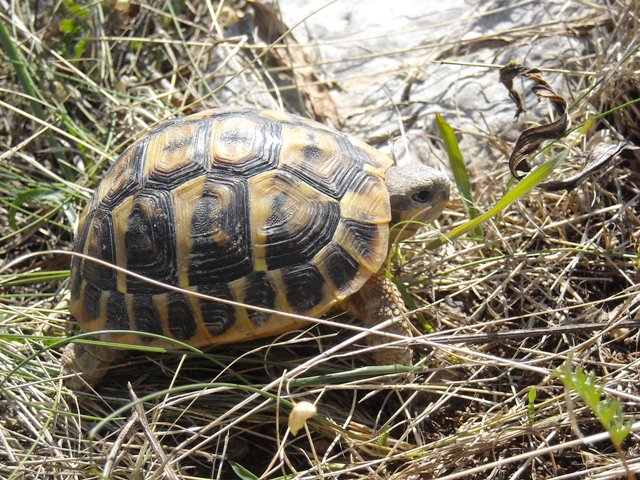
554, 279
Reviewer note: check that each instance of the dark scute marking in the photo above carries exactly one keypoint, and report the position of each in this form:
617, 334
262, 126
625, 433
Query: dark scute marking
297, 247
76, 283
174, 143
91, 302
364, 237
303, 287
78, 246
100, 245
182, 324
221, 239
334, 186
117, 317
82, 235
348, 162
150, 242
354, 154
259, 293
341, 267
233, 137
166, 125
188, 171
126, 173
147, 317
169, 180
202, 143
217, 317
270, 141
280, 213
267, 146
311, 153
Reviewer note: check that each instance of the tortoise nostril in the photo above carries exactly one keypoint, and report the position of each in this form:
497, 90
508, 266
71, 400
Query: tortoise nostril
422, 196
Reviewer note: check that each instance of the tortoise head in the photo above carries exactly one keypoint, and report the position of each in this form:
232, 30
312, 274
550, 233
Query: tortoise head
417, 193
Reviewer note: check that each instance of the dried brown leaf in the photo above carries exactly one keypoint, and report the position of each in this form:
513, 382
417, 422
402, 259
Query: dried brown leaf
599, 157
530, 139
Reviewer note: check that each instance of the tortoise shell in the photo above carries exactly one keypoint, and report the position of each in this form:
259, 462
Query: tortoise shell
258, 207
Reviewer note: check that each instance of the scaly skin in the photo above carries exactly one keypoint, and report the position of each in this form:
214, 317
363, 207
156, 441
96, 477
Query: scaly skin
378, 301
92, 361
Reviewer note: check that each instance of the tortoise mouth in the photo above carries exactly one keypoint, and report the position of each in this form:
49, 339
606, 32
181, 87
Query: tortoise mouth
420, 217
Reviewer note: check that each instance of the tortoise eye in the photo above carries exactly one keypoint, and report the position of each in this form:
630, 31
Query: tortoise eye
422, 196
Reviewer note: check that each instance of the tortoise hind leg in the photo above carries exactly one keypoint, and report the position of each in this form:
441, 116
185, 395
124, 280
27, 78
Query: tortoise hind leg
87, 364
378, 301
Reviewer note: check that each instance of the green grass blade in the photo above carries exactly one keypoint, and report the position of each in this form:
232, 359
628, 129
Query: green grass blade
37, 195
459, 170
242, 472
527, 184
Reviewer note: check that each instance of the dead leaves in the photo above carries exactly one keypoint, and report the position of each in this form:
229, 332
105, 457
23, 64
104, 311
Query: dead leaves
598, 158
532, 138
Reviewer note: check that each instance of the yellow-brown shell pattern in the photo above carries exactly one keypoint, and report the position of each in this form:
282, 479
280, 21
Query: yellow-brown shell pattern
258, 207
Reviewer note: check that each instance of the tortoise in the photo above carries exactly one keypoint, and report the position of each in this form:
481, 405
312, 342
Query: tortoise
258, 207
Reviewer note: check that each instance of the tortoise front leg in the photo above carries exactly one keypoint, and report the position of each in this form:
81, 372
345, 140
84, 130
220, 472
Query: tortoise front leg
377, 301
